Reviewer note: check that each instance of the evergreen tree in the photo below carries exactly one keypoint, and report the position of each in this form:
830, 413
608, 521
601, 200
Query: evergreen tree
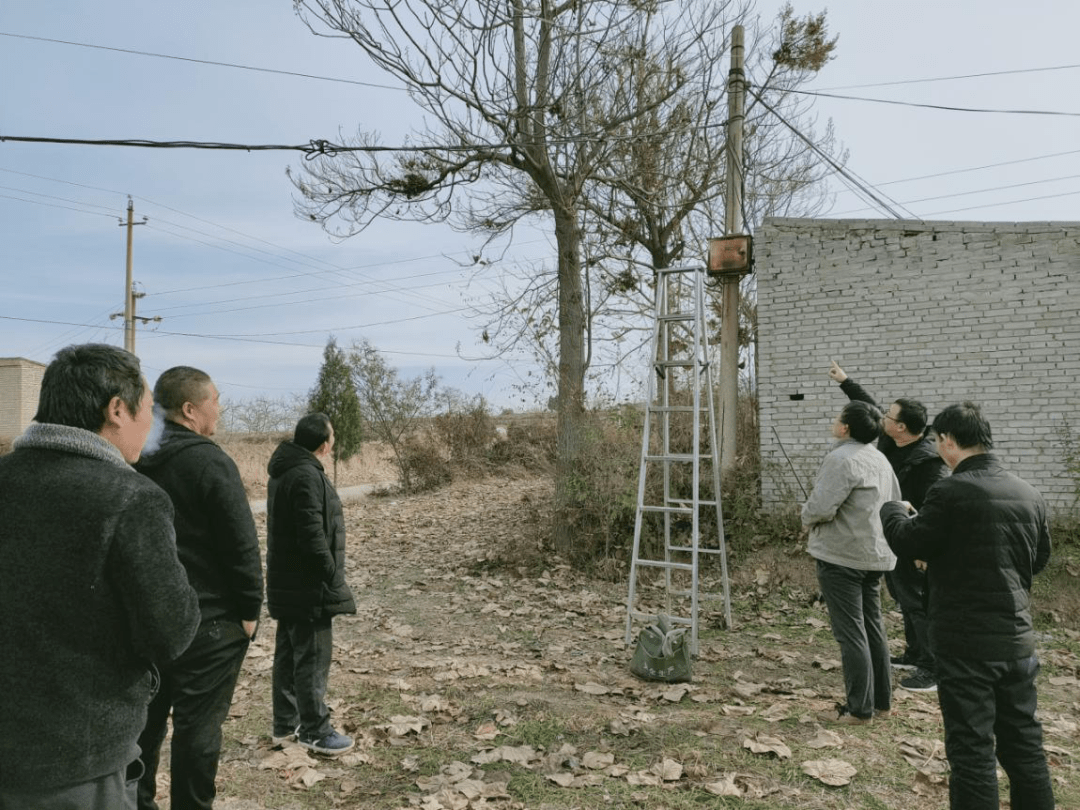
335, 395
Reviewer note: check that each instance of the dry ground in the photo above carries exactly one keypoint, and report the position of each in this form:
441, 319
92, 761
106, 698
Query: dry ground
472, 684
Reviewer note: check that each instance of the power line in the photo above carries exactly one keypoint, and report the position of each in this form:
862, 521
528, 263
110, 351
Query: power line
982, 191
245, 338
846, 175
979, 168
54, 205
945, 107
201, 61
951, 78
370, 282
1006, 202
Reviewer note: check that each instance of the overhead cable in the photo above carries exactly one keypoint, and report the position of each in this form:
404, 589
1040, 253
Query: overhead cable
847, 175
202, 61
945, 107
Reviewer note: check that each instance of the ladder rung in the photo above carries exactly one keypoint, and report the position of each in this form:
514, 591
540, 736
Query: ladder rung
676, 316
640, 614
689, 549
673, 510
676, 409
664, 564
683, 457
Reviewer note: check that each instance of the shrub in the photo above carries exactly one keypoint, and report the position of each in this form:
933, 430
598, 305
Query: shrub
468, 436
423, 465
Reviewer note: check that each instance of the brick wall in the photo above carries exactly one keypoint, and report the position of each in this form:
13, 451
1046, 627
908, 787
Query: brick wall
20, 384
937, 311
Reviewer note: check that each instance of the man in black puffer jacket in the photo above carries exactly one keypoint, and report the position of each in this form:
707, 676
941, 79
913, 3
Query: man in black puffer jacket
984, 535
305, 576
911, 452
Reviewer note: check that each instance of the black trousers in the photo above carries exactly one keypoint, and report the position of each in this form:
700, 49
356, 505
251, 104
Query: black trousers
302, 653
198, 687
988, 702
853, 598
907, 584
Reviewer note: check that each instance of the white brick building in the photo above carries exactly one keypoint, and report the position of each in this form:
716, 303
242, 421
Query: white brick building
20, 384
937, 311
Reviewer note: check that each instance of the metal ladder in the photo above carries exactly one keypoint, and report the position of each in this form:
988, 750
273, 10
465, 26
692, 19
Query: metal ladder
679, 419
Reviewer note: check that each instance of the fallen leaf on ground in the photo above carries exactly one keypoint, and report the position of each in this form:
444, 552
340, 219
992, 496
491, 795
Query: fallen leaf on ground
834, 772
764, 744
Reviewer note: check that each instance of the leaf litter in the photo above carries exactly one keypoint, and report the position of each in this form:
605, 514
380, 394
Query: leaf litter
442, 630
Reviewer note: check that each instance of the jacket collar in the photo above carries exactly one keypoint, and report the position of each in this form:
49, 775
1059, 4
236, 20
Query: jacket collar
982, 461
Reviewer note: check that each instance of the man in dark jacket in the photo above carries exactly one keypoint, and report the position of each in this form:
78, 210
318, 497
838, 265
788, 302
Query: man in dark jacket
984, 535
906, 443
305, 575
92, 595
219, 546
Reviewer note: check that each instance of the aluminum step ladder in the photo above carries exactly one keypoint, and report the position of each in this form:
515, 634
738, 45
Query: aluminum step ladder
679, 449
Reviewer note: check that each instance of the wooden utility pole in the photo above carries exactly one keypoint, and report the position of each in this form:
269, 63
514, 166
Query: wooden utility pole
729, 319
129, 284
129, 300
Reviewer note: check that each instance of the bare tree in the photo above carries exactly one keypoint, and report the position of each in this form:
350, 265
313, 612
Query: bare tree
525, 102
661, 193
392, 406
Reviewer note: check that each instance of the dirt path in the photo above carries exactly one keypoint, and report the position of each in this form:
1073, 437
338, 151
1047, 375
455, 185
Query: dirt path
470, 685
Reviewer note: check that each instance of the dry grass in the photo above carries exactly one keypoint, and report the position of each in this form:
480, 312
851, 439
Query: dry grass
372, 465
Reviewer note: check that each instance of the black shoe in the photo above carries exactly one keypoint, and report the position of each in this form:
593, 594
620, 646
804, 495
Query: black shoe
905, 661
922, 681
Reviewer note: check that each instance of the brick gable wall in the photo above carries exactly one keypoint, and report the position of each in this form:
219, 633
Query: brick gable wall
937, 311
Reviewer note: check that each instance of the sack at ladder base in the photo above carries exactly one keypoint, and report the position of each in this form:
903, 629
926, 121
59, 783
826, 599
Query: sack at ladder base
662, 653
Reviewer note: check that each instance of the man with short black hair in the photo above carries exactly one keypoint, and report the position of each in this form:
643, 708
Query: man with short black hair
906, 443
92, 595
306, 588
219, 546
984, 533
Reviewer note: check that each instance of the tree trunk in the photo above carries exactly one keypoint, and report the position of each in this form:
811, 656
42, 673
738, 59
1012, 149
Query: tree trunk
571, 413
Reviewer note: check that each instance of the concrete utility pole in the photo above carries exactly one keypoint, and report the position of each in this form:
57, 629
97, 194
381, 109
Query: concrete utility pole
129, 285
729, 323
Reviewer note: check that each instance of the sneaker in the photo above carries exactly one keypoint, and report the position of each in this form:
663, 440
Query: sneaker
331, 745
288, 736
904, 661
843, 717
922, 681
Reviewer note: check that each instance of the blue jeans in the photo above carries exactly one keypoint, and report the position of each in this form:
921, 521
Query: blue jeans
853, 598
983, 702
302, 653
198, 687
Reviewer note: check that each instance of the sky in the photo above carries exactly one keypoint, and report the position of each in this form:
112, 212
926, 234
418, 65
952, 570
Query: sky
249, 292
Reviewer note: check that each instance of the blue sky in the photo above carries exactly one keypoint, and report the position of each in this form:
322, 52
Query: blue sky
250, 293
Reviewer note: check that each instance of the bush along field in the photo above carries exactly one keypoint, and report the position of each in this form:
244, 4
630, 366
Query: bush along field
481, 671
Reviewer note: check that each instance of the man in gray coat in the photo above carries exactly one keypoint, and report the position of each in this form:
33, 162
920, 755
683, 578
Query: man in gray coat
92, 596
847, 542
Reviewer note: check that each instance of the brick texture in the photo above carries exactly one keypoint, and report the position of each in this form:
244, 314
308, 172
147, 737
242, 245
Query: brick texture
937, 311
20, 384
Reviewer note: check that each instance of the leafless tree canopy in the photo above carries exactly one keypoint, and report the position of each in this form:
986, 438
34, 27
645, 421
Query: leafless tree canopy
603, 117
